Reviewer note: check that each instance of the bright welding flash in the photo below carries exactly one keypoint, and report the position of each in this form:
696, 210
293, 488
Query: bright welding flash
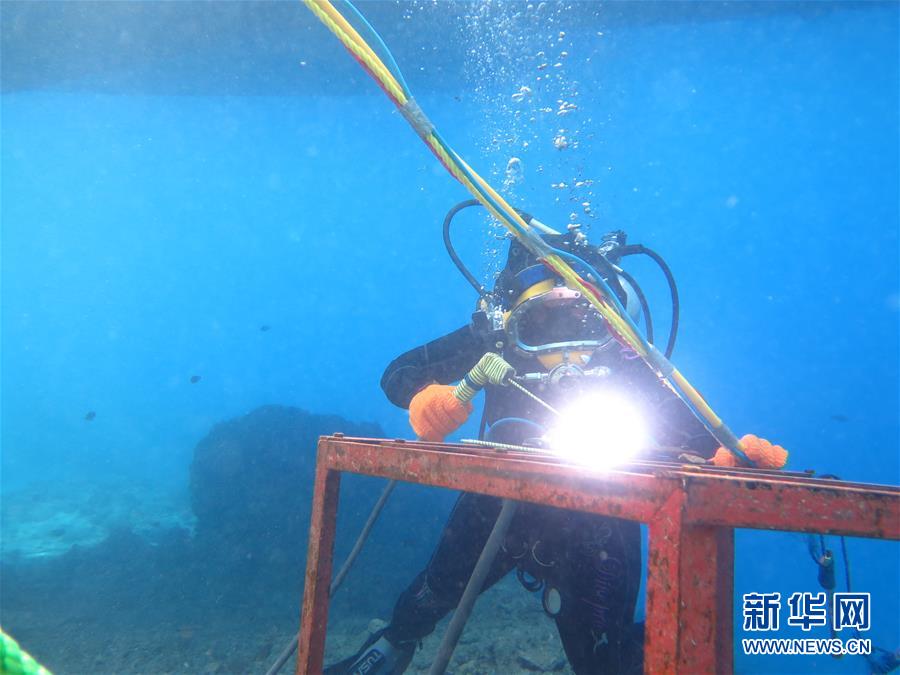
601, 431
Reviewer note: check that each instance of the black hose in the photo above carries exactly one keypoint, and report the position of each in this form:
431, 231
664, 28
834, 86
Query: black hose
880, 660
482, 427
645, 308
846, 564
635, 249
460, 265
481, 290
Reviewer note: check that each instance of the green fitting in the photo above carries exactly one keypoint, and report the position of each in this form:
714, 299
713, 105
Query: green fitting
16, 661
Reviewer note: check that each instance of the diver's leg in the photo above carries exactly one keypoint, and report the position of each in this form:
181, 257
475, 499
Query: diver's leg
435, 591
438, 588
598, 581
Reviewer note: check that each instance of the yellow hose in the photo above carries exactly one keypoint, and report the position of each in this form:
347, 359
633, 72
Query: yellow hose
357, 46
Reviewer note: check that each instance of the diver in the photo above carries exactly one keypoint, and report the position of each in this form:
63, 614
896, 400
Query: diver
588, 566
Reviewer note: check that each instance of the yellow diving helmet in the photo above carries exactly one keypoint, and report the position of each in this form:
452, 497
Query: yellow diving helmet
556, 324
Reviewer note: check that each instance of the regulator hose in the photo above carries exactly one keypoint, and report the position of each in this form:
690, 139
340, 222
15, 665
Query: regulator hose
448, 244
460, 265
645, 308
639, 249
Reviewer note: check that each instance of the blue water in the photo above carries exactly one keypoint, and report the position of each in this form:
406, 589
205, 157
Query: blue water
158, 211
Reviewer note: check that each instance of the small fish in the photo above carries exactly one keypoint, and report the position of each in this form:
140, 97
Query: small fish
91, 415
837, 417
195, 379
58, 532
264, 328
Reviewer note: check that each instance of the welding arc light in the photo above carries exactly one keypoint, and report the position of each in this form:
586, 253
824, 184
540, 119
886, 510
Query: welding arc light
601, 430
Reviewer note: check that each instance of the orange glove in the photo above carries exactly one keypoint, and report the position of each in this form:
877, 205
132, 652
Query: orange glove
435, 412
766, 455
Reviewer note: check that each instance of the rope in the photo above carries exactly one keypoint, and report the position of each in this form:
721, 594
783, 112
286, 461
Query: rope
16, 661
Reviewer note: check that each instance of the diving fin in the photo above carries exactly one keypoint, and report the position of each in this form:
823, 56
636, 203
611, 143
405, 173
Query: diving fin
377, 656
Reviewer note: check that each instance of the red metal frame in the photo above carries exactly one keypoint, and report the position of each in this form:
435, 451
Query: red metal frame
691, 512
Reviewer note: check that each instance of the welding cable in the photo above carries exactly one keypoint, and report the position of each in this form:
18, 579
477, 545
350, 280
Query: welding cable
625, 330
374, 37
600, 298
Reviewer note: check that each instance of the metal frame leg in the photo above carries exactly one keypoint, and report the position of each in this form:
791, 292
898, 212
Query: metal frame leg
690, 586
314, 617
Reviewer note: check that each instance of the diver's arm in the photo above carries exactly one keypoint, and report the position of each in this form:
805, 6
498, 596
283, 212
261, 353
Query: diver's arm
672, 423
444, 360
678, 427
675, 425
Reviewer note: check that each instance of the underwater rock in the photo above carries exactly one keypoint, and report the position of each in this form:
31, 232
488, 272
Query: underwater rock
251, 482
45, 520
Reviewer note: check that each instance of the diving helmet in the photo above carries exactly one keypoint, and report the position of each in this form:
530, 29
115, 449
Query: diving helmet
545, 319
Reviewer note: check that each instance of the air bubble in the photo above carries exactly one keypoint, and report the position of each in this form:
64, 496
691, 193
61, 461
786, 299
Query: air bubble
514, 170
523, 93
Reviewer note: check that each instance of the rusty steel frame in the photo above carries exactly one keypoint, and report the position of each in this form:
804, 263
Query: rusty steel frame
691, 512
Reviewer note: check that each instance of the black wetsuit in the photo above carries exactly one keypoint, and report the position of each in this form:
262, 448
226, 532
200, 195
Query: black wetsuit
593, 562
